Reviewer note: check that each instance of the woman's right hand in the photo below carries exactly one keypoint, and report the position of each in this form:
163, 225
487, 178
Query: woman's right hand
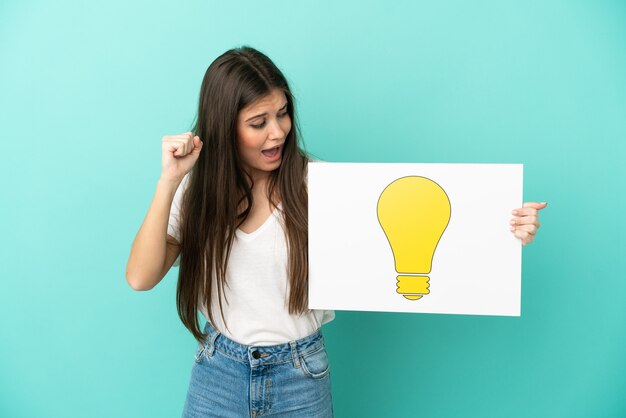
179, 154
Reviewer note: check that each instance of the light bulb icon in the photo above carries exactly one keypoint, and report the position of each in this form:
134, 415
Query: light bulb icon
414, 212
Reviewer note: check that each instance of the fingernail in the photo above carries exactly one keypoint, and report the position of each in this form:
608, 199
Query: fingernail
514, 212
512, 222
512, 229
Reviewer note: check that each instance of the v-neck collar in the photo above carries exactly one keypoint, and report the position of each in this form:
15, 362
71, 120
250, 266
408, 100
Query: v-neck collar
249, 236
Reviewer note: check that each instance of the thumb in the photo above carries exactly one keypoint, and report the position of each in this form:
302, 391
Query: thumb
535, 205
197, 144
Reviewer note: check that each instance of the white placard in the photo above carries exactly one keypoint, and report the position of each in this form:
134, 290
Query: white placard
476, 265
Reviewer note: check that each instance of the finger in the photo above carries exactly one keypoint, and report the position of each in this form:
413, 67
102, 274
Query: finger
531, 229
526, 239
185, 135
180, 148
174, 138
523, 235
190, 143
197, 144
524, 211
525, 220
535, 205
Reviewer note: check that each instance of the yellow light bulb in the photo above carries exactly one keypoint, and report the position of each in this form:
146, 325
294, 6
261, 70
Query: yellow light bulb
414, 212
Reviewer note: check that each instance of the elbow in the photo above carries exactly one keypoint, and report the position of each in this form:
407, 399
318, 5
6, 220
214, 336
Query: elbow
136, 283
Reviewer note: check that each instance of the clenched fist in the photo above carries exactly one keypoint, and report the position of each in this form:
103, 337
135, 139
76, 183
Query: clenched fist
179, 154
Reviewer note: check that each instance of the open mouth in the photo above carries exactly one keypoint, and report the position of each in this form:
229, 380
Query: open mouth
272, 153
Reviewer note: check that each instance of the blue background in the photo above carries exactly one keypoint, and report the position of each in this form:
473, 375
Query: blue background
88, 89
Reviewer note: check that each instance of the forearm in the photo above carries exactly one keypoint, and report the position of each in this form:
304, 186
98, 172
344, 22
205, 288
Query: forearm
147, 255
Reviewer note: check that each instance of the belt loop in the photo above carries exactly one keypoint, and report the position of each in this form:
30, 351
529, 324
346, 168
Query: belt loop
213, 334
294, 354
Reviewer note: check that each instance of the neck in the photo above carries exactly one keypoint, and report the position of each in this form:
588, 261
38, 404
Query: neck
260, 180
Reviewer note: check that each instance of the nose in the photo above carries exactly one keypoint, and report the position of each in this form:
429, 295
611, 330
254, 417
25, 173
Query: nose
276, 132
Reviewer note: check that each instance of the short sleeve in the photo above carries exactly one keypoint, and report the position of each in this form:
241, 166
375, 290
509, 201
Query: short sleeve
328, 316
173, 225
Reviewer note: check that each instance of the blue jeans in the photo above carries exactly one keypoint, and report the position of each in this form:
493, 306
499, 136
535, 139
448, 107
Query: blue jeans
230, 379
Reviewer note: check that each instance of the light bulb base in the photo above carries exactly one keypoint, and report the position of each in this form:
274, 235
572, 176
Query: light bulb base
413, 287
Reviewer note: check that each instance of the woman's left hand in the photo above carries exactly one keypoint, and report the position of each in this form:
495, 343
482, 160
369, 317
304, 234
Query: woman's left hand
526, 221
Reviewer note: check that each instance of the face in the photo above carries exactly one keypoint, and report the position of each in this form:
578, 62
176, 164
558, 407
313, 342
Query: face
262, 128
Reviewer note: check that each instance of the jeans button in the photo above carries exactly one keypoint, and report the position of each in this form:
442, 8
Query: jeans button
256, 354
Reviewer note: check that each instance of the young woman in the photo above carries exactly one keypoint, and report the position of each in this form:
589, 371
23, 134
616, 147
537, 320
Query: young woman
230, 209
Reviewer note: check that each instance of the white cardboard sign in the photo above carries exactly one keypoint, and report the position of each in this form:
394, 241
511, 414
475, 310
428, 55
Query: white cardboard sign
398, 237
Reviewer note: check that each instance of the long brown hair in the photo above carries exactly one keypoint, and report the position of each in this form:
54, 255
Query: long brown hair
218, 186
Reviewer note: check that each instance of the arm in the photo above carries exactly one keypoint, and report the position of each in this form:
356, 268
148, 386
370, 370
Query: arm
153, 251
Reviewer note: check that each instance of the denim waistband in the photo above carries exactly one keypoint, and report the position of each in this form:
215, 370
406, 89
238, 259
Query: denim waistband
261, 355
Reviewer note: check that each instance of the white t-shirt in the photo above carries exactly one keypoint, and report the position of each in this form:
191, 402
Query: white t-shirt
257, 286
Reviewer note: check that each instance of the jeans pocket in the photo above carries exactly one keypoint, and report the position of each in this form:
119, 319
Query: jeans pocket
315, 364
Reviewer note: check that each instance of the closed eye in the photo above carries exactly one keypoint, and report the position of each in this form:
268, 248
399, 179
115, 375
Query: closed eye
262, 124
